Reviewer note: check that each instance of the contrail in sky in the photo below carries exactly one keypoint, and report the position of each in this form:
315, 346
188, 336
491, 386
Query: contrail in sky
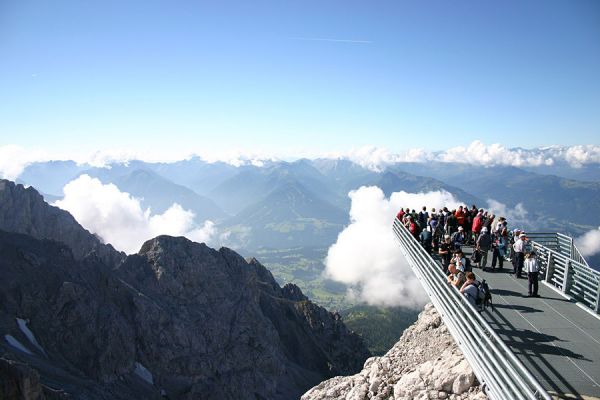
332, 40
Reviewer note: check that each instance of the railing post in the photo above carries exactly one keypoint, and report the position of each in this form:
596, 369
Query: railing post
567, 277
572, 255
598, 299
549, 268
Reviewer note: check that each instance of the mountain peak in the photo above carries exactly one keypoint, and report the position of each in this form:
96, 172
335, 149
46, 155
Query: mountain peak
23, 210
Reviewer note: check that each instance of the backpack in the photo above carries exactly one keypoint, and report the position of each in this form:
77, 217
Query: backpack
482, 289
484, 294
476, 256
468, 266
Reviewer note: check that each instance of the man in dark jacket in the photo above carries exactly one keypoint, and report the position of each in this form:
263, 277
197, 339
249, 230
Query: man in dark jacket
483, 244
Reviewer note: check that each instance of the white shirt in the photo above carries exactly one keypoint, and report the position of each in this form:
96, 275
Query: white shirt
531, 265
518, 246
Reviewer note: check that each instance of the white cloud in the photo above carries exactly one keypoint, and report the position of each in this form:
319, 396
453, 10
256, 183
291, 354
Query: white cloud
589, 243
495, 154
14, 159
478, 153
515, 216
577, 156
366, 254
119, 219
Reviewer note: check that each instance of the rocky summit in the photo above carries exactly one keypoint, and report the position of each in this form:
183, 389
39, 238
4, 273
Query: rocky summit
178, 320
426, 363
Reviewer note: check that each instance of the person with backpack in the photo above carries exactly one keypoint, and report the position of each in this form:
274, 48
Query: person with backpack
470, 289
532, 270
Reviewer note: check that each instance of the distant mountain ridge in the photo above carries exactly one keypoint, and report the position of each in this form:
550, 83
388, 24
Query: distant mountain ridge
159, 193
290, 215
242, 191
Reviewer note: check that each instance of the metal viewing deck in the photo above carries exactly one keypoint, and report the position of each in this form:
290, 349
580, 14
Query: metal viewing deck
527, 348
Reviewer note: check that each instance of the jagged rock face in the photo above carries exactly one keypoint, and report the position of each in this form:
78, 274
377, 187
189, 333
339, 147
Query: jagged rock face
178, 318
20, 381
426, 363
24, 210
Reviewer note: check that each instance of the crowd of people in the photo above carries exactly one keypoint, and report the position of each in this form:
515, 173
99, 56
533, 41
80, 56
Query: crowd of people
444, 232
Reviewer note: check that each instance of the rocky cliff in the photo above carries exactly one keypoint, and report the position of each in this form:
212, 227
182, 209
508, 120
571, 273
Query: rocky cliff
177, 320
426, 363
24, 210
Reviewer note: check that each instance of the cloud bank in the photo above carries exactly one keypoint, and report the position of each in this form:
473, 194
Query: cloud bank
589, 243
14, 158
367, 256
119, 219
477, 153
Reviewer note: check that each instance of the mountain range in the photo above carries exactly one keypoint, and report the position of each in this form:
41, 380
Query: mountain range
305, 202
178, 319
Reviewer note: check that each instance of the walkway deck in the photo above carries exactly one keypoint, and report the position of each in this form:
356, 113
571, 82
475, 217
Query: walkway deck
553, 337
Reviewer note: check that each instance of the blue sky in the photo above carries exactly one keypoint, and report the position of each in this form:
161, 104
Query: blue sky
256, 75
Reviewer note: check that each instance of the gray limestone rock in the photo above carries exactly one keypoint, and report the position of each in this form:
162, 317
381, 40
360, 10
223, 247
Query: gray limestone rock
424, 364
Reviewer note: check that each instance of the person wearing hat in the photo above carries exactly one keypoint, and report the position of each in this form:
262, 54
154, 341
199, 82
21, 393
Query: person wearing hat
519, 249
483, 245
532, 269
459, 238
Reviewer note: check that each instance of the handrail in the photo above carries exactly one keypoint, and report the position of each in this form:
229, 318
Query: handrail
494, 364
559, 242
563, 267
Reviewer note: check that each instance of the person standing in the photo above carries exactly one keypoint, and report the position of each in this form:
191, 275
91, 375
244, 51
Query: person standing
445, 251
483, 245
532, 269
423, 217
519, 249
477, 225
498, 248
426, 239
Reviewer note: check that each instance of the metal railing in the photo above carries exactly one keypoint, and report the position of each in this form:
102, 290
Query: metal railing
559, 242
563, 267
494, 364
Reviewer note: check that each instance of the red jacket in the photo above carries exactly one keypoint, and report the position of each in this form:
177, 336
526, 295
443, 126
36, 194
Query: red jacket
460, 217
477, 224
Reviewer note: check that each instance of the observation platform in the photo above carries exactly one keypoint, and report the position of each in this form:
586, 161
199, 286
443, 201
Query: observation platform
526, 347
554, 338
